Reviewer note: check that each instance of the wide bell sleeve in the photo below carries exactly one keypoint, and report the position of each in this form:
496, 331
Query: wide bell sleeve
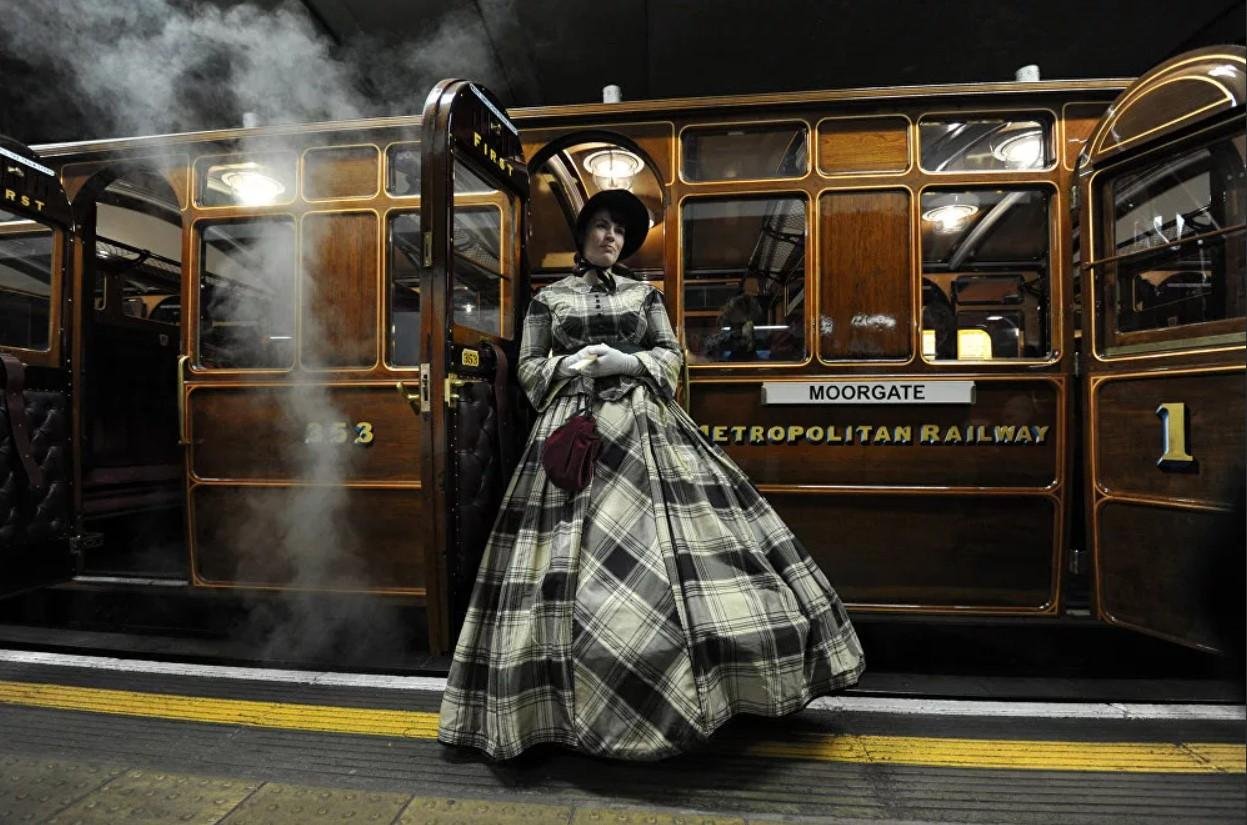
538, 368
660, 356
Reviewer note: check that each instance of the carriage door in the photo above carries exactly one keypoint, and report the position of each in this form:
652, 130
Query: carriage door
35, 461
474, 186
1164, 202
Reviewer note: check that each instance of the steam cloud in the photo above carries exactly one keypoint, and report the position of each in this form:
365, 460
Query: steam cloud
156, 66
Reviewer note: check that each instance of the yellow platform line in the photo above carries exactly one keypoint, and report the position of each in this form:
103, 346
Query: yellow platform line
1129, 757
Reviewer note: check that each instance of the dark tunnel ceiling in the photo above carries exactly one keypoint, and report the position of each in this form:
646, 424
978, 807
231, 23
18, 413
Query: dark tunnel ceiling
544, 52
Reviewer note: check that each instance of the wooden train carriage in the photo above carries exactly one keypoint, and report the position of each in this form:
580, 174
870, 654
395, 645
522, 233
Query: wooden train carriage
875, 288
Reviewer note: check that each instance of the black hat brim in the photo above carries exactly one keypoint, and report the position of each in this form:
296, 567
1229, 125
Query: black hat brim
624, 205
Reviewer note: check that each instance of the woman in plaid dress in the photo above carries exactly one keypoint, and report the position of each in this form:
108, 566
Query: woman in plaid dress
632, 618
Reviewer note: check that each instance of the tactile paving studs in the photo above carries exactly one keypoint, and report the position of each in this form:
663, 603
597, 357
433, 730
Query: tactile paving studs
33, 790
143, 797
614, 816
442, 811
301, 805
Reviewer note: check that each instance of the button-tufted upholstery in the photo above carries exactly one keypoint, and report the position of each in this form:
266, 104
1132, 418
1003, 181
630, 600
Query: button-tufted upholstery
27, 515
480, 486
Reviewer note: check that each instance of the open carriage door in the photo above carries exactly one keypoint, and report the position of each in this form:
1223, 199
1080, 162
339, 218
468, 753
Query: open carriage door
1164, 207
473, 189
36, 231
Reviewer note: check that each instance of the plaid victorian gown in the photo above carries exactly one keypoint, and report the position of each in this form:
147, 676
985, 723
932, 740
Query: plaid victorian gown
635, 617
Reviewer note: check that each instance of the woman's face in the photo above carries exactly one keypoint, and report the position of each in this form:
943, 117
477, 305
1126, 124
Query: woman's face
603, 240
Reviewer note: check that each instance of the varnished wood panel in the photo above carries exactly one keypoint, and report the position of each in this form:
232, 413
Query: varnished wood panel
930, 551
867, 144
1130, 436
1175, 572
864, 267
338, 325
262, 433
316, 538
1079, 121
1009, 405
340, 172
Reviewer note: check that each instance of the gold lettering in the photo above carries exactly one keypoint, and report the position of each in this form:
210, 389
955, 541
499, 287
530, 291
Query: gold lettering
834, 438
39, 205
881, 436
25, 200
1173, 430
720, 434
756, 436
1041, 434
775, 435
738, 435
952, 436
1004, 434
795, 432
705, 430
863, 432
981, 435
10, 195
814, 435
476, 139
930, 434
1023, 436
902, 435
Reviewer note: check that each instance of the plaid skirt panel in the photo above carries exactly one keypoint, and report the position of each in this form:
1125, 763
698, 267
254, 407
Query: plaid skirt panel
635, 617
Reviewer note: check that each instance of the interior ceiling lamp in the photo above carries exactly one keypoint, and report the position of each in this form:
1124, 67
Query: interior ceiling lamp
246, 183
1020, 150
951, 212
613, 168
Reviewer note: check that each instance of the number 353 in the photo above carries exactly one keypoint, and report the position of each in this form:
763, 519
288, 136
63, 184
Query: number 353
338, 432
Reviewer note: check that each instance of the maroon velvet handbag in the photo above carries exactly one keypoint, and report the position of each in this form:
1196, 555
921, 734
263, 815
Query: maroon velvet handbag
570, 451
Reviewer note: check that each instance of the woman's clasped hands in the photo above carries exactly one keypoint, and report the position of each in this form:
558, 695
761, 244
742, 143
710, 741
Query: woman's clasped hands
599, 361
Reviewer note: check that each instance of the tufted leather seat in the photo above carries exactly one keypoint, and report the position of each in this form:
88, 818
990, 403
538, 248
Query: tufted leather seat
479, 489
28, 515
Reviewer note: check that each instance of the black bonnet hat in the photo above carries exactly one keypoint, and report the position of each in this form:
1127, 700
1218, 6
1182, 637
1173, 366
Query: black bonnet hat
624, 205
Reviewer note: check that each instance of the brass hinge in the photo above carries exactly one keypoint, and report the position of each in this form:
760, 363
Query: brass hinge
428, 250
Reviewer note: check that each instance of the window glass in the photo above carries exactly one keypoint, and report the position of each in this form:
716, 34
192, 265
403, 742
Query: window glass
138, 249
1177, 234
479, 282
745, 152
985, 274
245, 180
247, 294
406, 254
744, 279
402, 164
25, 283
981, 144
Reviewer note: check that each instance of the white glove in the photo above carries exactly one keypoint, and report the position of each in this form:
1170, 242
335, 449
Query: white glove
611, 361
577, 362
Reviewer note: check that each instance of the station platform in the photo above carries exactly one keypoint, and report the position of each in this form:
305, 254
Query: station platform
91, 740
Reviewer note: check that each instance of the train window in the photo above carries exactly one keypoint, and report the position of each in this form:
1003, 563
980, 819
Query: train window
138, 248
25, 282
245, 180
744, 278
737, 152
338, 289
985, 274
480, 278
982, 144
340, 172
863, 145
405, 255
564, 182
866, 273
247, 294
402, 165
1176, 245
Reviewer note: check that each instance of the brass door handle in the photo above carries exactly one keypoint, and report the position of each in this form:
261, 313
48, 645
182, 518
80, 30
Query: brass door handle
183, 435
